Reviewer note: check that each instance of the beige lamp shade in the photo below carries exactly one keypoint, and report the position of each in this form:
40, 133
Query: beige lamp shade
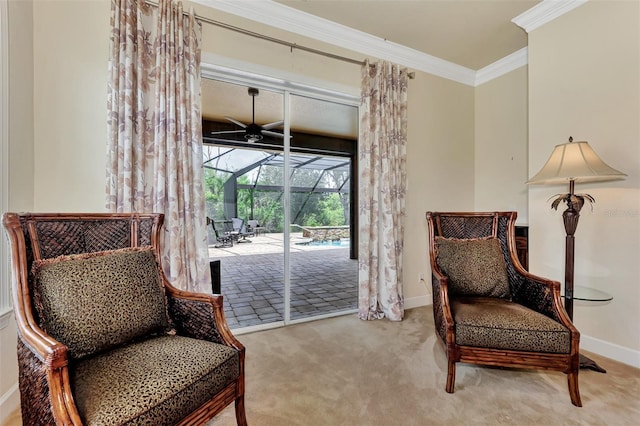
575, 161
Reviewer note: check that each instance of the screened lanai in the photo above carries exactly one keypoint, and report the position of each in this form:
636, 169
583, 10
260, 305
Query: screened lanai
249, 183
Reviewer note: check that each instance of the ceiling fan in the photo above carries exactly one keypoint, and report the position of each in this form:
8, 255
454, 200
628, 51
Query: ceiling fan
253, 132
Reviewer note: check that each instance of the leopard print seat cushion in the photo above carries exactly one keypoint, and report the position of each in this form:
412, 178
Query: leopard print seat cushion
97, 301
475, 267
501, 324
153, 382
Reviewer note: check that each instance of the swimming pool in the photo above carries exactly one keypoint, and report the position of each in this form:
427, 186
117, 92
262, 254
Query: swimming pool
337, 243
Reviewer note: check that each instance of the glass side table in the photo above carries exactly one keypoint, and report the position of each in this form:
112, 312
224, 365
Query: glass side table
588, 294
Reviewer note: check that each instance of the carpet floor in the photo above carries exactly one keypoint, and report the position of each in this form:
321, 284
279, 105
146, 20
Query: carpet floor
344, 371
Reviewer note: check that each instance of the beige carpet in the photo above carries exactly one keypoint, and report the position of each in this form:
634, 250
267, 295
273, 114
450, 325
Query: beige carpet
343, 371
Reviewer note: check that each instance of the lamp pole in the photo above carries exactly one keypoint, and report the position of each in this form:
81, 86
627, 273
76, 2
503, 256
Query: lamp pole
570, 218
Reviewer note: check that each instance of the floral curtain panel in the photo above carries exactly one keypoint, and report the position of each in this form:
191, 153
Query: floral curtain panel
130, 106
154, 152
382, 176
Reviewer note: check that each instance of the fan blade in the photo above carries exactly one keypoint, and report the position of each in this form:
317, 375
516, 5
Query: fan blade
272, 125
212, 139
227, 131
273, 134
233, 120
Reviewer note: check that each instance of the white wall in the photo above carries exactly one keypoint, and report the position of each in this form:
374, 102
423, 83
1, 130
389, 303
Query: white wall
71, 48
440, 169
584, 81
501, 132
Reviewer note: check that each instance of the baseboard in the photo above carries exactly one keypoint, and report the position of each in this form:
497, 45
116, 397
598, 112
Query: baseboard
610, 350
414, 302
9, 403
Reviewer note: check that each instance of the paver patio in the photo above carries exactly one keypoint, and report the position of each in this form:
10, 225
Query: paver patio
323, 280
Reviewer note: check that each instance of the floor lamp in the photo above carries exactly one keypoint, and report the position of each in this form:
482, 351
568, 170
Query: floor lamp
570, 163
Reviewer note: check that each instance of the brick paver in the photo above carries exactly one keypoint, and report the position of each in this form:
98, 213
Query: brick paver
322, 282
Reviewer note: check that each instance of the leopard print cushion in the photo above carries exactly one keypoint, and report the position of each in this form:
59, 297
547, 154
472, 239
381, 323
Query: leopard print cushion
154, 382
501, 324
475, 267
94, 302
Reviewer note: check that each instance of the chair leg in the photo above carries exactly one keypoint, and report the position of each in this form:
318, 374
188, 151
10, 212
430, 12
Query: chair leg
241, 417
451, 377
574, 391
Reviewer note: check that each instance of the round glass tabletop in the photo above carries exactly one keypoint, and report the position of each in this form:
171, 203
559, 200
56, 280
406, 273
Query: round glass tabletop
590, 294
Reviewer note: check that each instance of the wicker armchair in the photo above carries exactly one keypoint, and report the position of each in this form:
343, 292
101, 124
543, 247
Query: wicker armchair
94, 349
489, 310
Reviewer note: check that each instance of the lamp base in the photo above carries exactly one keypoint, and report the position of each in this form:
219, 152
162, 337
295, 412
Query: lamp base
586, 362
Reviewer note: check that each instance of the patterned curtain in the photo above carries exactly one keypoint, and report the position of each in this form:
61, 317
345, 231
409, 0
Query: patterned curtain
154, 152
382, 176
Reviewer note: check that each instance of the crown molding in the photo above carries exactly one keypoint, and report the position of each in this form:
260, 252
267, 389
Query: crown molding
502, 66
545, 12
302, 23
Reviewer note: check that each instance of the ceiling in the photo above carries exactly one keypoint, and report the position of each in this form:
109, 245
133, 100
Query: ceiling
470, 33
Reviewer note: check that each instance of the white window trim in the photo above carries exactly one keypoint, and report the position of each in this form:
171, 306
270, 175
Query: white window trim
5, 275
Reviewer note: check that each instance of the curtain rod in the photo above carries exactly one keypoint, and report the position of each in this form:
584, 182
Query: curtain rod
290, 45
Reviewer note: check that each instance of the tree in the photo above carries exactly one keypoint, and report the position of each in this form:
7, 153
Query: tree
308, 207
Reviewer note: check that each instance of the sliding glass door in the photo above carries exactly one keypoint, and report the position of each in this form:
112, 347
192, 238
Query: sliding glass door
322, 271
279, 195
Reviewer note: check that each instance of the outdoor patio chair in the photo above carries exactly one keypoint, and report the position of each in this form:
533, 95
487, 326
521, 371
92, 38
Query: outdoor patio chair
241, 230
103, 337
487, 308
254, 226
222, 238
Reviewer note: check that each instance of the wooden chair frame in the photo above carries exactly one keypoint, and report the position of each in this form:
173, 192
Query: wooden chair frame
537, 293
45, 388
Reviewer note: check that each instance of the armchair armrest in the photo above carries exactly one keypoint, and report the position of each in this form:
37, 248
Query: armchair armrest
200, 316
44, 376
540, 294
441, 307
45, 348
